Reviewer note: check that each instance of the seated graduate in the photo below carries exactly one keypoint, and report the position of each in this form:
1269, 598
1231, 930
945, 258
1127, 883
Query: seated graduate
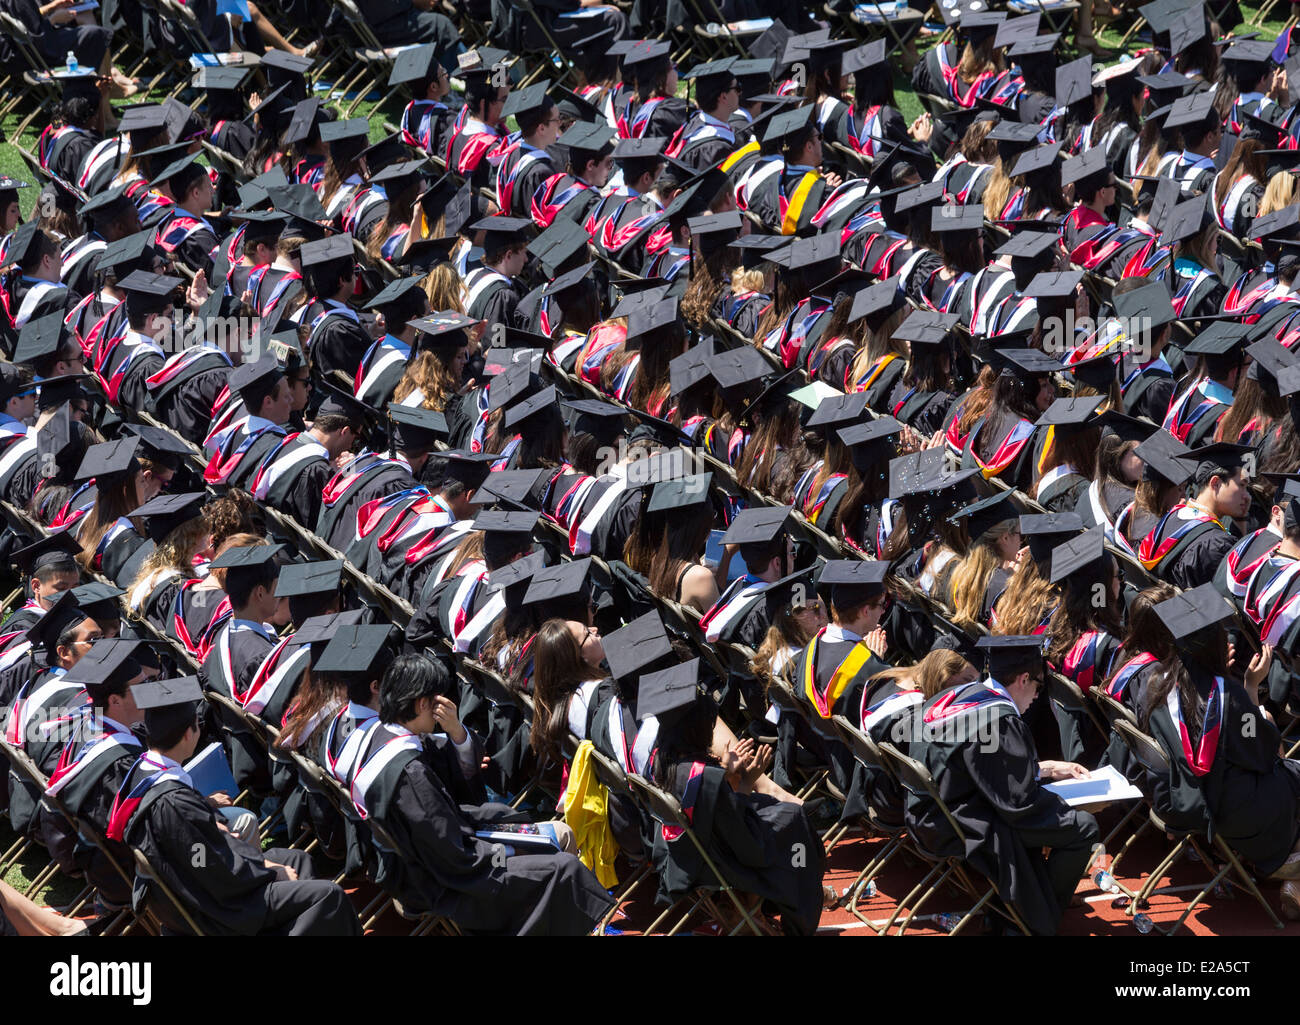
337, 341
49, 568
491, 292
667, 546
238, 649
740, 615
93, 764
1222, 745
655, 110
707, 137
426, 120
1069, 439
180, 537
110, 543
999, 442
1208, 392
229, 886
1147, 645
1028, 597
977, 581
397, 306
1186, 546
426, 794
762, 843
525, 162
982, 757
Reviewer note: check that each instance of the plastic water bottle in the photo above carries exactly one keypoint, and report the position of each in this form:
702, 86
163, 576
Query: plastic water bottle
1105, 882
72, 62
869, 890
1143, 924
947, 922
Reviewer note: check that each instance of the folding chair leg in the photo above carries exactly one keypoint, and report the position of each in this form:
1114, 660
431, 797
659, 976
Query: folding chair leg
1247, 880
370, 922
1153, 878
912, 912
624, 895
1114, 862
15, 853
42, 879
919, 888
865, 877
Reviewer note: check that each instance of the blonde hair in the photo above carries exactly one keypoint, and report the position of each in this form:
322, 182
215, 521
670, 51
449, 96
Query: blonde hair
443, 288
1280, 193
748, 279
1028, 595
176, 551
931, 674
971, 577
431, 377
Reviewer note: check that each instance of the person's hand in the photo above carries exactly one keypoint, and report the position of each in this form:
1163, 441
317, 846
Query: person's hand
737, 757
343, 458
1054, 771
468, 386
444, 712
483, 765
877, 641
759, 763
1257, 671
221, 799
290, 874
1277, 85
922, 128
1022, 555
833, 180
246, 297
936, 439
196, 295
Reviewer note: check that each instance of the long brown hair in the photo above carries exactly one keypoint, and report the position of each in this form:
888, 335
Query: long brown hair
113, 502
970, 579
1245, 160
1027, 597
558, 670
314, 695
429, 375
931, 674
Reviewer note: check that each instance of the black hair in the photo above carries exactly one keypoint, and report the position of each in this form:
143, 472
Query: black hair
241, 584
358, 690
499, 547
325, 279
409, 678
256, 394
166, 727
530, 121
185, 179
303, 606
1194, 134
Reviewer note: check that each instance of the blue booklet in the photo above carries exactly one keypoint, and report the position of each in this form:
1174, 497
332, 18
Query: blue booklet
210, 771
713, 555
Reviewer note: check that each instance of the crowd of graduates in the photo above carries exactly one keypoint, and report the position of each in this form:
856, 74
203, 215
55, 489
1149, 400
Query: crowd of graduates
587, 469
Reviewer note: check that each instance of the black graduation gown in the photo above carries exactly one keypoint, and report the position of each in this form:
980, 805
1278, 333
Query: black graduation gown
89, 796
43, 746
527, 182
1147, 392
990, 786
496, 302
339, 343
443, 868
761, 846
248, 649
885, 714
1195, 558
230, 891
187, 402
337, 523
924, 411
1250, 793
122, 558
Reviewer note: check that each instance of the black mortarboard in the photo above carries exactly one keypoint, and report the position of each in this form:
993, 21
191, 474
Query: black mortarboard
335, 247
164, 513
1088, 163
785, 124
253, 379
1249, 51
739, 369
1031, 361
1187, 614
1006, 652
882, 297
100, 601
652, 319
1015, 132
871, 441
399, 175
393, 292
501, 231
246, 565
160, 444
147, 117
569, 279
309, 578
219, 78
391, 149
41, 338
57, 549
1071, 414
756, 525
423, 255
20, 242
668, 694
586, 137
536, 403
591, 416
1036, 46
1185, 29
1168, 84
838, 410
102, 200
688, 369
1077, 553
647, 52
158, 694
633, 647
986, 513
270, 107
1162, 453
1073, 81
1218, 338
1220, 453
1190, 110
573, 106
1097, 372
148, 293
341, 130
413, 64
108, 664
495, 521
109, 459
1042, 532
1037, 159
253, 192
360, 652
680, 494
444, 330
557, 583
125, 250
853, 581
1149, 305
1028, 244
513, 487
949, 218
560, 247
713, 231
415, 427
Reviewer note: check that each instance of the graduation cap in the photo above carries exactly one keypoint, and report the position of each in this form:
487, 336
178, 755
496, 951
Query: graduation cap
298, 579
1220, 337
342, 130
573, 106
642, 298
757, 525
1220, 454
1249, 52
925, 194
1090, 162
41, 339
356, 652
158, 695
501, 231
413, 64
1035, 46
391, 149
739, 370
1042, 532
253, 380
1074, 82
986, 513
219, 78
1185, 29
495, 521
1149, 305
325, 250
680, 494
103, 201
586, 137
1097, 372
559, 246
633, 647
1162, 455
816, 257
109, 460
396, 177
651, 320
1029, 245
445, 330
306, 114
109, 663
393, 292
647, 54
62, 613
513, 487
838, 410
1278, 224
688, 369
146, 117
853, 582
159, 445
884, 297
871, 442
1187, 614
714, 231
950, 218
415, 427
270, 108
1190, 110
1078, 553
1015, 132
667, 694
321, 629
254, 192
786, 124
869, 57
20, 242
536, 403
557, 583
164, 513
423, 255
248, 565
1032, 361
1037, 159
1008, 652
58, 549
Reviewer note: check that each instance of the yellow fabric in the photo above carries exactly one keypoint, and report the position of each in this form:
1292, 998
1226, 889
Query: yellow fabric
1047, 448
791, 222
844, 674
738, 156
586, 811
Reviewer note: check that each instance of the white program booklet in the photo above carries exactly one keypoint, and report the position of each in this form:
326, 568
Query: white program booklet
1103, 786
